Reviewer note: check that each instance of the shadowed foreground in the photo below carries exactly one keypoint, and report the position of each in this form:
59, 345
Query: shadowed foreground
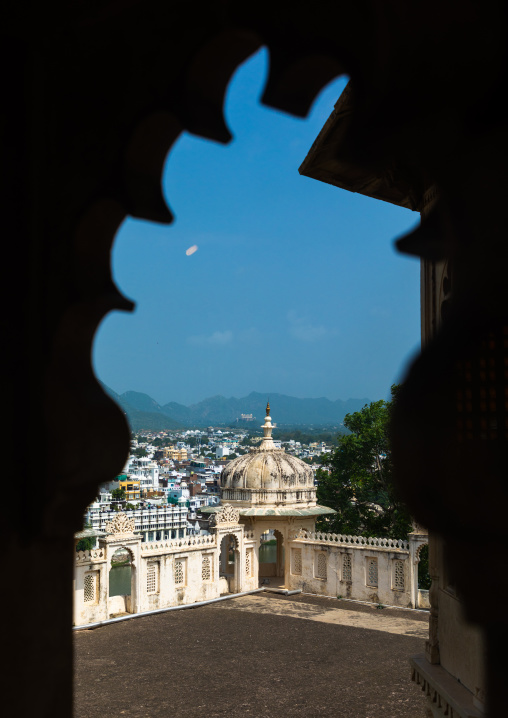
262, 655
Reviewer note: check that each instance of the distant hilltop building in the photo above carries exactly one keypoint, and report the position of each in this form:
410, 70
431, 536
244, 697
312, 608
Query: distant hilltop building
246, 417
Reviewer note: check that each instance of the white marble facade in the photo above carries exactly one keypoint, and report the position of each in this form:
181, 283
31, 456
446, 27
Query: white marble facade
198, 568
265, 493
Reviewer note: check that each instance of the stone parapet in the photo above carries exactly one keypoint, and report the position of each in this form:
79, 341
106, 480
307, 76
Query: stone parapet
94, 555
346, 540
176, 545
272, 497
376, 570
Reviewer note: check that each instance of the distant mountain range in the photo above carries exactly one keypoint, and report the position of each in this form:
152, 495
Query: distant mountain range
149, 418
144, 412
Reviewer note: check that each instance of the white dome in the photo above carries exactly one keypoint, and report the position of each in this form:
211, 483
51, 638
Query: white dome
261, 469
268, 478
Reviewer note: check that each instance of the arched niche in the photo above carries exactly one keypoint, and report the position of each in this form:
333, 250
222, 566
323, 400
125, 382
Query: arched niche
229, 561
121, 581
271, 558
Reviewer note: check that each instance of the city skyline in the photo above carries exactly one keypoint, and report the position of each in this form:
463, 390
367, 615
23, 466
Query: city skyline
255, 286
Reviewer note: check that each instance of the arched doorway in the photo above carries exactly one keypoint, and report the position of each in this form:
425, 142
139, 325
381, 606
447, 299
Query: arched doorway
229, 562
120, 582
422, 576
271, 558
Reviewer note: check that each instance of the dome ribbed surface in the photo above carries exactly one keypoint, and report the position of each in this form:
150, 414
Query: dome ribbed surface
267, 481
261, 469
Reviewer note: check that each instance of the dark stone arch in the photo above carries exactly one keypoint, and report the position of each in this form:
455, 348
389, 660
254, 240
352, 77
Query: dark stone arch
79, 89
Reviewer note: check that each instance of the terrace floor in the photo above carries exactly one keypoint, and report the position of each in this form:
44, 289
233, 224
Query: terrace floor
263, 655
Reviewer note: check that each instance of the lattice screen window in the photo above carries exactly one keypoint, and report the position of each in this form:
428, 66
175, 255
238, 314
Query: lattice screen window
398, 576
206, 568
248, 563
321, 565
152, 577
347, 570
91, 587
297, 561
180, 572
372, 576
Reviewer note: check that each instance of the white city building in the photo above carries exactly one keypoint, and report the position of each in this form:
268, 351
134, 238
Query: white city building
155, 523
146, 471
222, 450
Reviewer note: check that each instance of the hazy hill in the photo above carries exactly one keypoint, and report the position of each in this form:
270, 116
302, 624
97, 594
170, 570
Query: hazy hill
145, 413
285, 409
149, 419
141, 402
179, 412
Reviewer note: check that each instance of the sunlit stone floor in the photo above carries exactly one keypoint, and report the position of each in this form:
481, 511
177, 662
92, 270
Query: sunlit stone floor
261, 655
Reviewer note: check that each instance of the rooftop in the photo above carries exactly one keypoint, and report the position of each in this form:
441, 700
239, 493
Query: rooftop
260, 655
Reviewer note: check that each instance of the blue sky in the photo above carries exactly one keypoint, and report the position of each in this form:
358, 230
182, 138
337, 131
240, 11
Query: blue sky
295, 286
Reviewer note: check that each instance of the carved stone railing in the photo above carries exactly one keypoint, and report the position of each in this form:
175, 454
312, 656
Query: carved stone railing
341, 539
184, 543
94, 554
296, 494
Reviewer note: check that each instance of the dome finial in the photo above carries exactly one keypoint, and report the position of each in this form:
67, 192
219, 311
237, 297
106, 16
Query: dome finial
267, 442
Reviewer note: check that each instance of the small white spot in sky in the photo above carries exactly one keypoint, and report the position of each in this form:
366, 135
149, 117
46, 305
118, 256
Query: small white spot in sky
191, 250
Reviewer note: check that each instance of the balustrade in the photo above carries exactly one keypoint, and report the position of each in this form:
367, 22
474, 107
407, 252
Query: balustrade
90, 555
170, 545
347, 540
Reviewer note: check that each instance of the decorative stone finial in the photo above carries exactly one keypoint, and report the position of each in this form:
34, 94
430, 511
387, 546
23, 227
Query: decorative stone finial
267, 442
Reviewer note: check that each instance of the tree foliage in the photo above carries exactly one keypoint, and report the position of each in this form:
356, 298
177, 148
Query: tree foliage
356, 479
86, 544
118, 494
304, 437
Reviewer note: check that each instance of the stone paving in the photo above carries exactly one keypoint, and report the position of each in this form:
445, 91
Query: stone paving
389, 621
262, 655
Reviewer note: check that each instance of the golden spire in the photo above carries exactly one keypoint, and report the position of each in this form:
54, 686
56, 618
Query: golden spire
268, 408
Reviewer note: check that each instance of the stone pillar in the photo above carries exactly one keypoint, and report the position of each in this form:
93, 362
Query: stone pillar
432, 645
417, 538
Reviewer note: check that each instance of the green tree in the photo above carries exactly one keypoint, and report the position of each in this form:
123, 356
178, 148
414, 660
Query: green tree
85, 544
356, 478
118, 494
139, 452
